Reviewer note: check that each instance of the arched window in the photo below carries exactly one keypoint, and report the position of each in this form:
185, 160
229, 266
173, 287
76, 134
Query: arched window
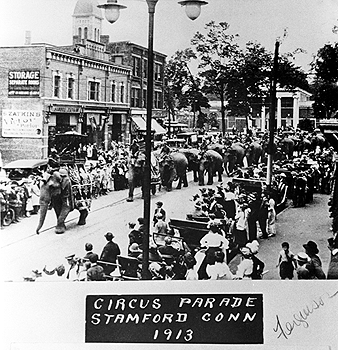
98, 35
95, 34
80, 33
85, 34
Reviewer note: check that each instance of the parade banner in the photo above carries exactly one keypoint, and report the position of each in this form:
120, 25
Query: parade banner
22, 123
173, 315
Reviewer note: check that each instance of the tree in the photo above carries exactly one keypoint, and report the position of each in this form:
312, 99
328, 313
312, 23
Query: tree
217, 51
182, 89
325, 67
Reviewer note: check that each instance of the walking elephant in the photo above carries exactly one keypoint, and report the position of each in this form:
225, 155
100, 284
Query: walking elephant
212, 163
173, 166
56, 191
287, 146
192, 155
253, 153
233, 157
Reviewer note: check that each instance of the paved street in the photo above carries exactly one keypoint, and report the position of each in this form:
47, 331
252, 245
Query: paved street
23, 250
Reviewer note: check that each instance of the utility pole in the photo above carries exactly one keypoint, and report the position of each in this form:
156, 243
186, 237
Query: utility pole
272, 117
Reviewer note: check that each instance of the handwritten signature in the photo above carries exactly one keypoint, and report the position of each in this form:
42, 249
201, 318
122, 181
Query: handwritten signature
300, 319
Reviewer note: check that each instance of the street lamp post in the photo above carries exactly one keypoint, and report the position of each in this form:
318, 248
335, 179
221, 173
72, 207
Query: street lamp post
272, 117
112, 11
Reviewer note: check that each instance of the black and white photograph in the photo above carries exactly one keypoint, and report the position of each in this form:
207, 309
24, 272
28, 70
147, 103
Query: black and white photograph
168, 174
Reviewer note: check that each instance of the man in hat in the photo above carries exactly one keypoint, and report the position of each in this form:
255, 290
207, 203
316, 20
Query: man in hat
245, 267
109, 253
74, 268
315, 264
160, 230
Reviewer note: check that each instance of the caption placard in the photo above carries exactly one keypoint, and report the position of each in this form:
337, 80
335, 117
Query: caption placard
196, 319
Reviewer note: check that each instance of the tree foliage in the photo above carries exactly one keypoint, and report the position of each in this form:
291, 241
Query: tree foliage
182, 89
325, 67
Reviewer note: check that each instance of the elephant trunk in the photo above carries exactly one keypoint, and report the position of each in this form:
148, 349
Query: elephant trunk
201, 175
43, 212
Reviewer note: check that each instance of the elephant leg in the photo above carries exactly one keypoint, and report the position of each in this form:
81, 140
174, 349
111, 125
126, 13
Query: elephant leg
210, 177
185, 180
220, 175
83, 215
195, 176
179, 183
61, 227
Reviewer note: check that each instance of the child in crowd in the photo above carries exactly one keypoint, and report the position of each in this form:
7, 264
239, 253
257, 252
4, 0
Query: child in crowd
286, 262
271, 218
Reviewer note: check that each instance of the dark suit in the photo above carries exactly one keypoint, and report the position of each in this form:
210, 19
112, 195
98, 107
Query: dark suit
109, 254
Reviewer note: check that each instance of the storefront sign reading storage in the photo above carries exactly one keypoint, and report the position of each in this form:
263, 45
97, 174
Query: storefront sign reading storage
21, 123
24, 83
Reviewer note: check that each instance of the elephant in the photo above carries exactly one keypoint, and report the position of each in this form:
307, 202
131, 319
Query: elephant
318, 141
172, 166
233, 157
136, 173
217, 147
56, 191
253, 153
287, 146
192, 155
211, 162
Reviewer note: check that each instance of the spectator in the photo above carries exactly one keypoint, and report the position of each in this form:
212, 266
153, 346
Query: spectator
89, 251
219, 270
271, 218
159, 210
302, 271
315, 264
286, 262
258, 265
109, 254
95, 272
160, 230
332, 272
245, 267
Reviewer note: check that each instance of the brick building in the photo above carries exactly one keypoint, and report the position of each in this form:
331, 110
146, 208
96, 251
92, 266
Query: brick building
83, 87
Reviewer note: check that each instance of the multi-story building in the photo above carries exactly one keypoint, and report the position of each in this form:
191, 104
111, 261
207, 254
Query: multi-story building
136, 57
83, 87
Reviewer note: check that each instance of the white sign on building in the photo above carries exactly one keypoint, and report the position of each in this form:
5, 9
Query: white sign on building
22, 123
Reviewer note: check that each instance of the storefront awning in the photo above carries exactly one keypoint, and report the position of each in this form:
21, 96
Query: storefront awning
157, 127
140, 124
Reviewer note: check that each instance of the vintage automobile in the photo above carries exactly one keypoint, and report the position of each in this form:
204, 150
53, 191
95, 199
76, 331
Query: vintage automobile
22, 168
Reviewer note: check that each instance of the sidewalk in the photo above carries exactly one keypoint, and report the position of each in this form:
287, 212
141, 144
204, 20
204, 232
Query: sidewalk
298, 226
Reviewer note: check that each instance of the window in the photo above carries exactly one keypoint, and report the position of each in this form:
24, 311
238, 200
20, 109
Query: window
113, 92
122, 97
145, 68
93, 91
137, 66
80, 33
70, 88
57, 86
158, 100
158, 72
135, 97
85, 33
144, 104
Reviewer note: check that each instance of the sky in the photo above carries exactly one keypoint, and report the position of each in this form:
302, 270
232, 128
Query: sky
309, 23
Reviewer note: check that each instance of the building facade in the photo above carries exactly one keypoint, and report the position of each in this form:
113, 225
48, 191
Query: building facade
136, 57
87, 87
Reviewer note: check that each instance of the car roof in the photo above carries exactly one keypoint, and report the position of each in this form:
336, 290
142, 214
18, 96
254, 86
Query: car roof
26, 163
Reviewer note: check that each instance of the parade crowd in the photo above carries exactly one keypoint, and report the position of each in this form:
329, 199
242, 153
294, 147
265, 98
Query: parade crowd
237, 218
